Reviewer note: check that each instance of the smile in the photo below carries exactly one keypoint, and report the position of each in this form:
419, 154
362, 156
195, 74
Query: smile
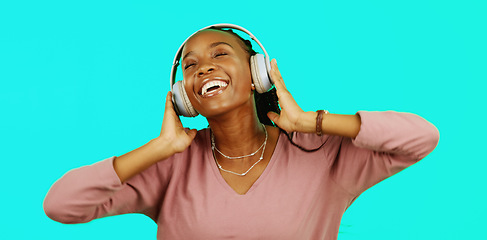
213, 87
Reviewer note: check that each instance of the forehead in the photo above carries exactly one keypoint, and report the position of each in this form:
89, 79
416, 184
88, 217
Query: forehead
203, 40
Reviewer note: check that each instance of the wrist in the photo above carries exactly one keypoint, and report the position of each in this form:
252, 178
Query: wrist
307, 122
319, 121
160, 148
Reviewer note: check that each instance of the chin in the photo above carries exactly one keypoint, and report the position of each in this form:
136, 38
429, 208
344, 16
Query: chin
216, 110
222, 106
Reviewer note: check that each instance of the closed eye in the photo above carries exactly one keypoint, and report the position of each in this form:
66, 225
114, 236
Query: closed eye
189, 65
219, 54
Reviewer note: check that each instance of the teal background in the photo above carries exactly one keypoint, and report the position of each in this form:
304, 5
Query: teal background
81, 81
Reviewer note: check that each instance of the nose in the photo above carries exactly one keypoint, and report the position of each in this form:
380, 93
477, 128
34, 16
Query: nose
205, 68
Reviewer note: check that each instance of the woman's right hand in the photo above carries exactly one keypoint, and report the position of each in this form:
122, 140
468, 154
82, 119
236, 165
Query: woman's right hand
172, 131
173, 139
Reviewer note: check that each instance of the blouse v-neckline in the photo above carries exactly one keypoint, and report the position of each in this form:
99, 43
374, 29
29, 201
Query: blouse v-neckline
216, 172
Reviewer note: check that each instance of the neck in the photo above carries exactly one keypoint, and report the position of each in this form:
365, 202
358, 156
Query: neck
237, 133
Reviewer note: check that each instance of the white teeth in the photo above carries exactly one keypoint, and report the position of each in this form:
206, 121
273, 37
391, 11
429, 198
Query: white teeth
212, 84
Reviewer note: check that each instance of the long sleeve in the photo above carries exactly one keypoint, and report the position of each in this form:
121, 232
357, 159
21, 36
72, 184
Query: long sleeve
387, 143
95, 191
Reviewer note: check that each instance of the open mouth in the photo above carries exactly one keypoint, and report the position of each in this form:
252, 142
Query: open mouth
213, 87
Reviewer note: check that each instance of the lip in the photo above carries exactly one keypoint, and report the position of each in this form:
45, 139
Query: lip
209, 79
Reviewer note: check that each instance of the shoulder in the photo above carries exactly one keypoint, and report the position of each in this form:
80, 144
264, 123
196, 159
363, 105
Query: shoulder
202, 137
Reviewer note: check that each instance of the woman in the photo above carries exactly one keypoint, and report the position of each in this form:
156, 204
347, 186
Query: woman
240, 179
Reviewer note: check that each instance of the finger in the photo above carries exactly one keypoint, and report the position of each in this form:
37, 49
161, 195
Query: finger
278, 82
274, 117
280, 88
276, 73
170, 117
168, 100
169, 107
192, 133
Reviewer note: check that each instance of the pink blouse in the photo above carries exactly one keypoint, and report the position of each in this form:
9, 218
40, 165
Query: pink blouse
300, 195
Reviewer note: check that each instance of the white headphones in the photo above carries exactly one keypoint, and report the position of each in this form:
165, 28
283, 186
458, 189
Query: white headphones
260, 68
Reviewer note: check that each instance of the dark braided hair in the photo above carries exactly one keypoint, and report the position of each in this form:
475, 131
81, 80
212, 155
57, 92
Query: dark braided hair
268, 101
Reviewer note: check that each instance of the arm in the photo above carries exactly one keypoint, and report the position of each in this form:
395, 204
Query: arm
372, 145
387, 143
173, 139
294, 119
332, 124
133, 182
95, 191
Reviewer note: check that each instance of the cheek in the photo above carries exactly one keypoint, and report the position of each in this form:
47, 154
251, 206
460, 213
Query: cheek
188, 87
242, 73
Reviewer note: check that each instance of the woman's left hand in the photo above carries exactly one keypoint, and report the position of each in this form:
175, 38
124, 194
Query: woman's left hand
291, 115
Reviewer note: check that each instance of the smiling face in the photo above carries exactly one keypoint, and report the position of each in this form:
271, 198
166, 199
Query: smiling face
216, 73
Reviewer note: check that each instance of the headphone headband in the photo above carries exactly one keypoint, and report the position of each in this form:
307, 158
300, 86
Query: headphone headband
222, 25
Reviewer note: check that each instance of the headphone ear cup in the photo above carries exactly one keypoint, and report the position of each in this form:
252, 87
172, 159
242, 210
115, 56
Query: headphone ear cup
181, 102
260, 77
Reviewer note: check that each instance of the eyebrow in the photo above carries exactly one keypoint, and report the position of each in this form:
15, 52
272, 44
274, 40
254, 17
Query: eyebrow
219, 43
211, 46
